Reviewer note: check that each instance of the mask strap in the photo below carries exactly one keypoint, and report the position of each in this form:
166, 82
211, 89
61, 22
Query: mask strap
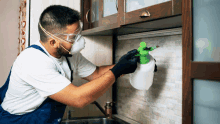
65, 49
48, 33
53, 37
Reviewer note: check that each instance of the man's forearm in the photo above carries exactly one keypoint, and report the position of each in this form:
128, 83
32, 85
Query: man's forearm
92, 90
98, 86
103, 69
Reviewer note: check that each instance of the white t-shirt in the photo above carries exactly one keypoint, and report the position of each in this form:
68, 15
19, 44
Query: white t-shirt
35, 76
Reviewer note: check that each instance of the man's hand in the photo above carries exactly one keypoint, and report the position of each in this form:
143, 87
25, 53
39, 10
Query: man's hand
126, 64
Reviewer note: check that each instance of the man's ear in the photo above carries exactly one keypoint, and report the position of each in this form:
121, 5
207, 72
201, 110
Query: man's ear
53, 43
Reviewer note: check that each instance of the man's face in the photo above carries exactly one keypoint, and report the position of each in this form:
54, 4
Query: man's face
71, 29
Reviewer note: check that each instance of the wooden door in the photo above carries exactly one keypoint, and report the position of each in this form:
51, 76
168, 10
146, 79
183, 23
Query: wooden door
156, 9
201, 62
95, 15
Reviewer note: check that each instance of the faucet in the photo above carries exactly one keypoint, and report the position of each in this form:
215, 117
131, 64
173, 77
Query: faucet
108, 109
69, 113
107, 112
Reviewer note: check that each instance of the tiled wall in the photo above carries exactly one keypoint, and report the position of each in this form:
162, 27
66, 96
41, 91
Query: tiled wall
162, 103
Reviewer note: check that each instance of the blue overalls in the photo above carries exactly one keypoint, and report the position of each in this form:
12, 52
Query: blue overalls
49, 112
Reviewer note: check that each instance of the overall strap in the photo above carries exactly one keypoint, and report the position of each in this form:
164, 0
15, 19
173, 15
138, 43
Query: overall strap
70, 68
37, 47
4, 88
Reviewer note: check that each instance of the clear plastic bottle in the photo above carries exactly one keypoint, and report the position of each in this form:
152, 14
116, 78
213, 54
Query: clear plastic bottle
143, 76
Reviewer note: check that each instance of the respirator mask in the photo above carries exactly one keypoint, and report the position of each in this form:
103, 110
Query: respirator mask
75, 38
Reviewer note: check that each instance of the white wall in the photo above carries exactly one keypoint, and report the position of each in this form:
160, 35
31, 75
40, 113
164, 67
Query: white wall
9, 11
38, 6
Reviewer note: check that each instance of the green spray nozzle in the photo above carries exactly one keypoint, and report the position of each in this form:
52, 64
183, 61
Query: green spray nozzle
143, 52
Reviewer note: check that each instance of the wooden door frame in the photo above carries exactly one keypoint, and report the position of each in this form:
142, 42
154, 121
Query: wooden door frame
191, 69
176, 7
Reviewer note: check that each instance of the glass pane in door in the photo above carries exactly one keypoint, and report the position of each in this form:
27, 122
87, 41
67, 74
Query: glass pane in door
95, 11
109, 7
206, 102
206, 30
132, 5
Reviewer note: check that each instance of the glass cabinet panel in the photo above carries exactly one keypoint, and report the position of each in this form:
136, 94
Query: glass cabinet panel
95, 11
132, 5
109, 7
206, 101
206, 28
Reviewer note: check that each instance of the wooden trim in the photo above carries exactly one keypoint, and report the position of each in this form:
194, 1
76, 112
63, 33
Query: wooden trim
81, 10
109, 20
156, 11
177, 7
187, 87
99, 30
100, 11
121, 12
94, 24
159, 33
90, 14
205, 70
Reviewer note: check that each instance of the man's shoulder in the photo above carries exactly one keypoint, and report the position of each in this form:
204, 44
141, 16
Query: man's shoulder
32, 56
32, 52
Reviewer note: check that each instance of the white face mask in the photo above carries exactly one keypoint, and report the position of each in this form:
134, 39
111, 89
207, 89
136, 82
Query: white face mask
78, 45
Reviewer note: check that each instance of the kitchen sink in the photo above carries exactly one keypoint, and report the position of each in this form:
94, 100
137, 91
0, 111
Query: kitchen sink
94, 120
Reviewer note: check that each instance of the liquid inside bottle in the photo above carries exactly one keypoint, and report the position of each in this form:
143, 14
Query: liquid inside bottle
142, 78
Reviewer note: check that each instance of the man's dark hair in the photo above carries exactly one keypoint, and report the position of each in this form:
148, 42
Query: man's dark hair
55, 19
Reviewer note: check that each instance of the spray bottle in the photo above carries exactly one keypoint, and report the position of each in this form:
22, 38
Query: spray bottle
142, 78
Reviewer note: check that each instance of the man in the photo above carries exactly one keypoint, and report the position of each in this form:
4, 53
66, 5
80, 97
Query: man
39, 85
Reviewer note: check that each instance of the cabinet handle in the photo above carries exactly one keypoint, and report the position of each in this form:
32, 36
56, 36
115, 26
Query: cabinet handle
145, 14
87, 16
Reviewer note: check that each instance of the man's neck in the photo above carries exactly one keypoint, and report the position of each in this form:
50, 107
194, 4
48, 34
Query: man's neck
50, 51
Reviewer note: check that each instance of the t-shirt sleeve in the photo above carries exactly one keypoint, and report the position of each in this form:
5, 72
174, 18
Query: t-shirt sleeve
84, 66
43, 76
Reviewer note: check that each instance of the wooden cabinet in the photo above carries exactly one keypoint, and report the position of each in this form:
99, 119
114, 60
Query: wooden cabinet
108, 15
99, 13
145, 10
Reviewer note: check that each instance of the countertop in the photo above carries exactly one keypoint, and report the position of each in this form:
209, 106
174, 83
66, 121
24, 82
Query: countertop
125, 119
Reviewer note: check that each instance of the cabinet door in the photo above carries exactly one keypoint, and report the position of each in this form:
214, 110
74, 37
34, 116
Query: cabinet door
99, 13
134, 10
108, 13
201, 62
